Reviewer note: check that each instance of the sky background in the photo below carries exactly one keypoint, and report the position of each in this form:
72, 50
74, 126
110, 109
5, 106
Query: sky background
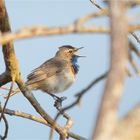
33, 52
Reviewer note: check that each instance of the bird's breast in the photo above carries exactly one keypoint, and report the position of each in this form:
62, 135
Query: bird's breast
59, 82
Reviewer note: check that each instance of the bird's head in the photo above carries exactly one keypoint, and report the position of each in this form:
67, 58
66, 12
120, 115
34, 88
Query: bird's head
68, 52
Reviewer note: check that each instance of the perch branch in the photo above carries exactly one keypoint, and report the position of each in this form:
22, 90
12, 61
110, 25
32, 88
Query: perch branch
79, 96
68, 125
36, 119
39, 109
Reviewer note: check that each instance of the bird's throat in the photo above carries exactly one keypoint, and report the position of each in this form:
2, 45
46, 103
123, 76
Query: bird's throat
74, 64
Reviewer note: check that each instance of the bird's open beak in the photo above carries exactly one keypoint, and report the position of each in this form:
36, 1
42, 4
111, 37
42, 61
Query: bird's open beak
80, 56
77, 49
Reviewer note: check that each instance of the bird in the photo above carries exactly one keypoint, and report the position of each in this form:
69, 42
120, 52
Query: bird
56, 74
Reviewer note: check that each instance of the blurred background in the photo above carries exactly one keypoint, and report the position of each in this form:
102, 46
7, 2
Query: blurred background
33, 52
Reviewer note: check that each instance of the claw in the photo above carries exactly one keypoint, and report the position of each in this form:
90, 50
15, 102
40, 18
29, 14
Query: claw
58, 102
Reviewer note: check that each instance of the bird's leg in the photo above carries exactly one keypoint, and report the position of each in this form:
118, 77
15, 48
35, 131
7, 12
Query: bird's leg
54, 96
58, 101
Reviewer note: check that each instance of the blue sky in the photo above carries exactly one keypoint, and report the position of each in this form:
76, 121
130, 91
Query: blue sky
33, 52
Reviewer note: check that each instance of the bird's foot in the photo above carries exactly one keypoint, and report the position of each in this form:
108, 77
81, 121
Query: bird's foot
58, 103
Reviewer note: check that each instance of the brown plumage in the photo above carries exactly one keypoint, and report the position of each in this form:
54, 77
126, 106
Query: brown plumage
45, 71
56, 74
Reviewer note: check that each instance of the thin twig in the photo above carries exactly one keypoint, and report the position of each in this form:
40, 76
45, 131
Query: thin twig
82, 20
94, 2
14, 92
135, 36
6, 128
80, 94
6, 88
133, 63
37, 119
134, 48
68, 125
10, 91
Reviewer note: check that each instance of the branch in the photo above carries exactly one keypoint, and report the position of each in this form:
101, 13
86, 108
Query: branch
135, 36
36, 119
133, 63
10, 91
49, 31
68, 125
24, 115
4, 78
82, 20
79, 96
17, 90
6, 128
11, 72
36, 31
107, 117
128, 127
12, 69
134, 48
38, 108
81, 93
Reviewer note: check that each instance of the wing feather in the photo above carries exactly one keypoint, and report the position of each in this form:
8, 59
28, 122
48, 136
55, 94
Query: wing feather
46, 70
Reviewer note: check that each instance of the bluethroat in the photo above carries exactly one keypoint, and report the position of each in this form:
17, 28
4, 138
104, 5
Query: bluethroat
56, 74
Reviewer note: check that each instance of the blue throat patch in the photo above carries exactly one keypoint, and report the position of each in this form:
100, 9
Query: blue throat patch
74, 64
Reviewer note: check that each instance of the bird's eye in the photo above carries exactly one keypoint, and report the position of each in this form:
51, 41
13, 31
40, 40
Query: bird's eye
70, 51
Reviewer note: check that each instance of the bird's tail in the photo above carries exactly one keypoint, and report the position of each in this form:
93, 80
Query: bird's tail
17, 90
31, 86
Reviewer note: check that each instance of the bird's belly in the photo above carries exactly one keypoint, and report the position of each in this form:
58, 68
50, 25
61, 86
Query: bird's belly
59, 83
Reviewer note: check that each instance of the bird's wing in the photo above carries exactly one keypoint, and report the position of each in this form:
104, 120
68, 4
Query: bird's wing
46, 70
